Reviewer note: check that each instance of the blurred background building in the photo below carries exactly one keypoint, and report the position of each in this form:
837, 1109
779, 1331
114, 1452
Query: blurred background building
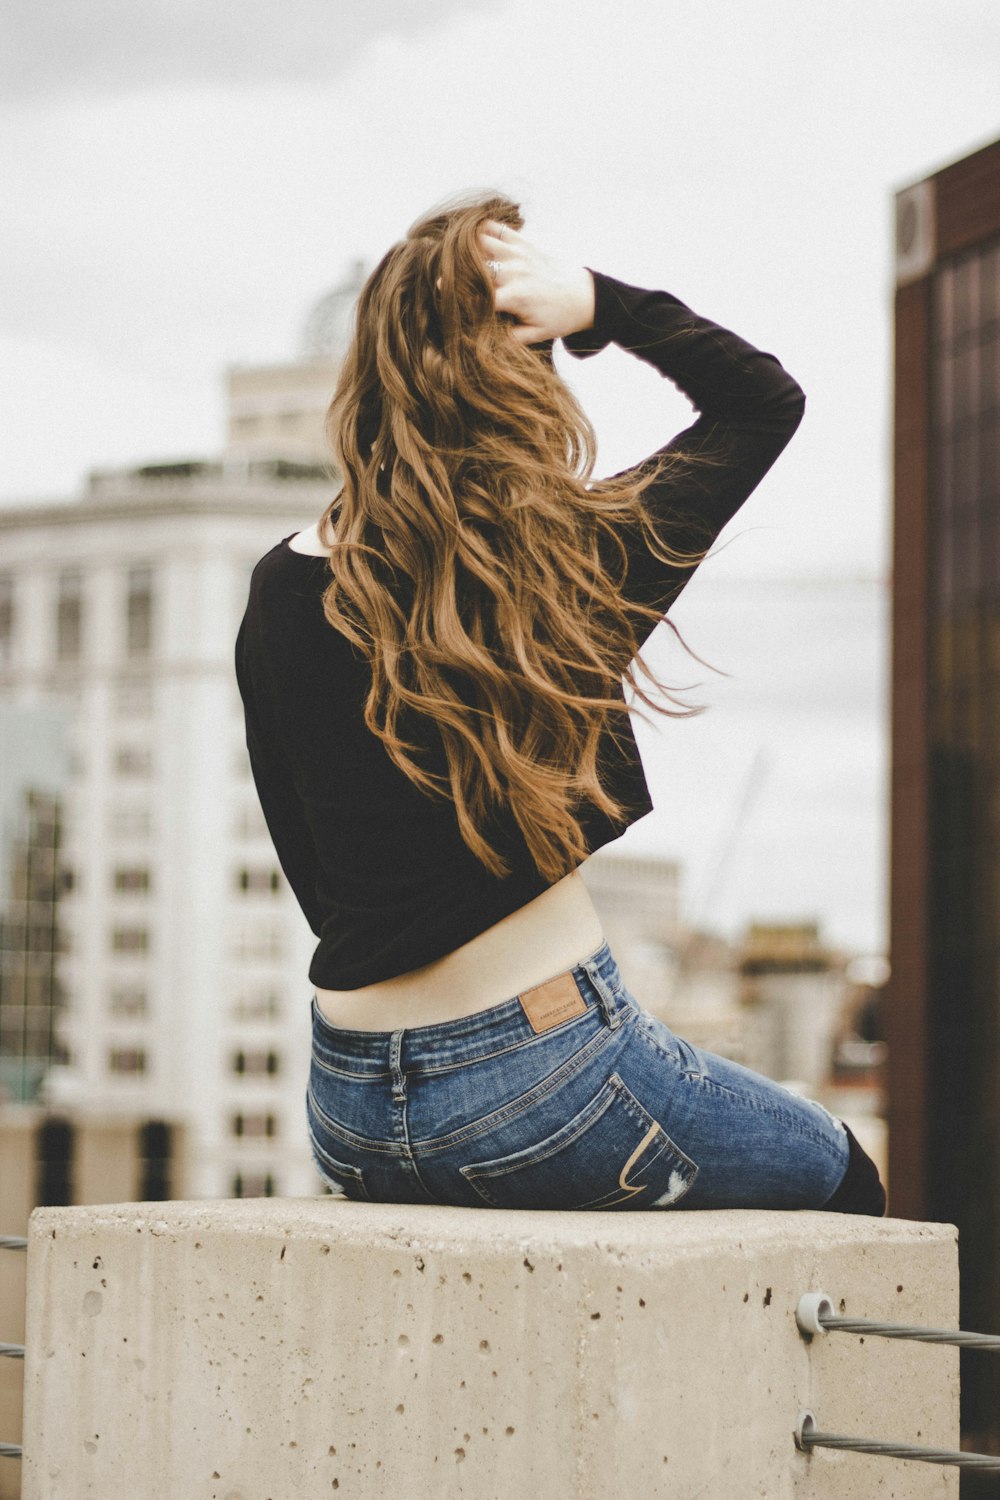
779, 1000
149, 944
943, 1017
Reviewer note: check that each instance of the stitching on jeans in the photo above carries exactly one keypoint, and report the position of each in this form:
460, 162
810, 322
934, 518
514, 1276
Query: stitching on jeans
527, 1101
465, 1062
660, 1051
361, 1142
766, 1107
345, 1073
540, 1091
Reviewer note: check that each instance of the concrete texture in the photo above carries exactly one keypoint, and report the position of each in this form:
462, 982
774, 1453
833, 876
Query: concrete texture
287, 1349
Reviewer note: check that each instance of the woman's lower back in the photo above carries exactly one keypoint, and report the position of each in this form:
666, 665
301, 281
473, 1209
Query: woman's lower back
535, 943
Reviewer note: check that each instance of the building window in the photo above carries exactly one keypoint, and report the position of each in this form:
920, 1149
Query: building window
6, 619
255, 1125
254, 1185
262, 941
255, 1063
133, 698
127, 1060
257, 1005
135, 761
130, 822
258, 881
130, 940
133, 878
139, 611
250, 822
69, 616
128, 1000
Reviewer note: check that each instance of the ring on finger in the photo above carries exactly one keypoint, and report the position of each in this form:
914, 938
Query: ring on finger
493, 266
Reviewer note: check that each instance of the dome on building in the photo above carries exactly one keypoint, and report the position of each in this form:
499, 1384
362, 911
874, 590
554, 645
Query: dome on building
328, 328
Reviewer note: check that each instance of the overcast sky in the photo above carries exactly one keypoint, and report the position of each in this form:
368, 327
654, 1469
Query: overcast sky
183, 181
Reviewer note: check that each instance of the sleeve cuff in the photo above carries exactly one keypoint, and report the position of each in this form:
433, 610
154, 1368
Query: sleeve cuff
592, 340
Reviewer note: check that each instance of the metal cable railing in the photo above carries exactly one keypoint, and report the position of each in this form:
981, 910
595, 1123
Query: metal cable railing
815, 1315
807, 1437
12, 1351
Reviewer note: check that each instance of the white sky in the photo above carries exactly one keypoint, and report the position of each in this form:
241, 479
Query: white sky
184, 180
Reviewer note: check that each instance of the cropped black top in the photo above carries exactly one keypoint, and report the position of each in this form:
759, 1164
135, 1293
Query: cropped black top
380, 869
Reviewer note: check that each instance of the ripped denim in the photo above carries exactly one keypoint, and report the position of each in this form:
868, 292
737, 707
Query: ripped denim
605, 1109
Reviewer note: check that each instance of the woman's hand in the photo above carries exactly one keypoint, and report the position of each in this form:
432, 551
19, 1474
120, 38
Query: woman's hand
549, 300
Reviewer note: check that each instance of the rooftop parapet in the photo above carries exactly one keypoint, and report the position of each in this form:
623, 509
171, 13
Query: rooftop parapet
283, 1347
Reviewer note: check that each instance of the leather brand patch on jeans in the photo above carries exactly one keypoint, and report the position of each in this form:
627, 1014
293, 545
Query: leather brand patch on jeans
556, 1000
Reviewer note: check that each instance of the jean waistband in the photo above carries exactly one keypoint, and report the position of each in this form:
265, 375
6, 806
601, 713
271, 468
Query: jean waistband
598, 979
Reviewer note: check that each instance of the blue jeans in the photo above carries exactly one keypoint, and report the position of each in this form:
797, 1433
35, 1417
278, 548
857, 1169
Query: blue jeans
607, 1109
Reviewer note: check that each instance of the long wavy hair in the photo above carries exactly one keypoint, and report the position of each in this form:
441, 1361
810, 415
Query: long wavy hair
474, 564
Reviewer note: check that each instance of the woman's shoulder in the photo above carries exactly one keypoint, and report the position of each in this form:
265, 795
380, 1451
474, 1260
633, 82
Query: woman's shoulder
310, 543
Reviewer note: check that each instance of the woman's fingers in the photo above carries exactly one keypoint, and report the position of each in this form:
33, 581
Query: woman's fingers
496, 248
525, 334
504, 232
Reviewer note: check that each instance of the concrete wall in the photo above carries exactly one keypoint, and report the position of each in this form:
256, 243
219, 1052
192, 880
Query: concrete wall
106, 1163
276, 1348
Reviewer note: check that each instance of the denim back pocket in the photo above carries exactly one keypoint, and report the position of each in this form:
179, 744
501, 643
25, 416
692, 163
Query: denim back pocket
339, 1176
613, 1154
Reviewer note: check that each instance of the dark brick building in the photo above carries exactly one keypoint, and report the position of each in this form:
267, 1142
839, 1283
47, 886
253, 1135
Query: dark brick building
943, 1020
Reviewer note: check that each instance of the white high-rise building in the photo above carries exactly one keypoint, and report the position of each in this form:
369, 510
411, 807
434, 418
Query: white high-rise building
184, 953
187, 955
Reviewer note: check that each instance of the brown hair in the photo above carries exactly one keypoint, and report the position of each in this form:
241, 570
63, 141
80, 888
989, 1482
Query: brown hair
469, 569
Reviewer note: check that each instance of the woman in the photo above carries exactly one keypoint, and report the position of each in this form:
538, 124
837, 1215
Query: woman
432, 679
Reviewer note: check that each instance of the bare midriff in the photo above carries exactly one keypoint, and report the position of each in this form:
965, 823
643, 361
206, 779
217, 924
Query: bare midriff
551, 934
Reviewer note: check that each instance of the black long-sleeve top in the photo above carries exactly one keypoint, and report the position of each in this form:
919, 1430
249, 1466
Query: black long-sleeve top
380, 869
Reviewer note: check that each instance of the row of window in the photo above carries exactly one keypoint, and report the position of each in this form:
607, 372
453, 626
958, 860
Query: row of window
254, 1125
137, 879
136, 821
27, 998
260, 1005
135, 763
243, 1062
244, 425
264, 942
254, 1185
255, 1063
69, 621
258, 942
261, 1185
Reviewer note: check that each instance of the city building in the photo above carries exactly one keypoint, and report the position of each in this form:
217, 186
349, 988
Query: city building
942, 1022
163, 930
34, 775
791, 994
637, 897
276, 411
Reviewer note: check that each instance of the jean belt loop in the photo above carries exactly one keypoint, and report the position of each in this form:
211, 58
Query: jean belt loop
395, 1064
609, 1009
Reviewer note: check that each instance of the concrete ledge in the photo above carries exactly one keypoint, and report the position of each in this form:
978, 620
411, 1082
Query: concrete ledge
267, 1349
